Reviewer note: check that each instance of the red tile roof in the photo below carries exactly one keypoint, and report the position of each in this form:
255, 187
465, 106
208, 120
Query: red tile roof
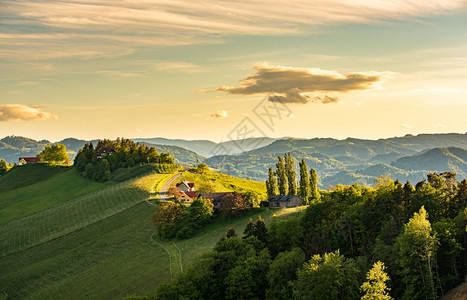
30, 160
191, 194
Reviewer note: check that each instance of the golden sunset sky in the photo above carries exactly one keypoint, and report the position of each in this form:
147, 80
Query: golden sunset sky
211, 69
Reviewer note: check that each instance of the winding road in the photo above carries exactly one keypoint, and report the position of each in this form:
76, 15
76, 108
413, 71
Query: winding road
163, 192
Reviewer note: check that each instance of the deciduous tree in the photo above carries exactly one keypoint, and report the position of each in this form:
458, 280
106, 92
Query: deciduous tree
3, 166
375, 288
167, 212
53, 154
415, 248
327, 277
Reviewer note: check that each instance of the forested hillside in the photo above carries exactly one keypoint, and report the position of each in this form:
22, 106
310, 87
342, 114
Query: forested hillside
392, 241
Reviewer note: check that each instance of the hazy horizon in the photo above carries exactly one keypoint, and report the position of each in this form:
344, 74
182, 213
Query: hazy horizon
221, 141
183, 70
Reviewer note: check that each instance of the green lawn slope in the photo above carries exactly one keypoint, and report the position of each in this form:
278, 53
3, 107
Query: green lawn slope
48, 186
21, 176
59, 185
217, 182
113, 258
103, 245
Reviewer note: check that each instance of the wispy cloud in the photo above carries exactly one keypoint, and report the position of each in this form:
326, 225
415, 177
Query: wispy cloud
18, 112
98, 28
439, 126
406, 126
291, 85
178, 66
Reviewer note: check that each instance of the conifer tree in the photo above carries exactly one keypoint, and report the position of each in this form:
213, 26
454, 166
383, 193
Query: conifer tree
291, 174
249, 229
281, 176
261, 231
271, 183
230, 232
314, 193
304, 191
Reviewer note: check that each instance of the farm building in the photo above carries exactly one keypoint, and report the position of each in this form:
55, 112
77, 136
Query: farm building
285, 201
187, 197
28, 160
186, 186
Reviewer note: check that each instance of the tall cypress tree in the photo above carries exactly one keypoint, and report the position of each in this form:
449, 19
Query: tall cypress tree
291, 174
304, 191
281, 176
271, 183
314, 193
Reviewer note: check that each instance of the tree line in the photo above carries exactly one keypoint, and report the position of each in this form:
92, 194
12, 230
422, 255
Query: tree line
392, 241
98, 163
283, 181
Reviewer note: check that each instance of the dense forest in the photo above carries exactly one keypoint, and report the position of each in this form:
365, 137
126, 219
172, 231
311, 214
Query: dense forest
99, 162
391, 241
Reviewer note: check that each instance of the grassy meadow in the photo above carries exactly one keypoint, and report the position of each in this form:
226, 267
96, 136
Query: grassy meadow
58, 185
218, 182
103, 245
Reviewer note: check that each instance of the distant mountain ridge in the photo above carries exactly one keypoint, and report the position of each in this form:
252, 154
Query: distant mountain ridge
355, 160
13, 147
336, 161
208, 148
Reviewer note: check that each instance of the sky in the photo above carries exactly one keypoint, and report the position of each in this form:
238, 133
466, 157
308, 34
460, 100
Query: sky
224, 70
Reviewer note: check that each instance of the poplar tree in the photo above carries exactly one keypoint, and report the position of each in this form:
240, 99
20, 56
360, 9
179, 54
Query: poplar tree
281, 176
271, 183
314, 193
291, 174
304, 191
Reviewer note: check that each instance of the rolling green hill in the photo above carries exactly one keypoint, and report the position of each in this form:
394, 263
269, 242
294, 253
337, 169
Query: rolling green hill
21, 176
58, 185
102, 245
217, 182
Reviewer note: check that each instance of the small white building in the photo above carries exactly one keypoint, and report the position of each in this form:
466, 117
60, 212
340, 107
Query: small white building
186, 186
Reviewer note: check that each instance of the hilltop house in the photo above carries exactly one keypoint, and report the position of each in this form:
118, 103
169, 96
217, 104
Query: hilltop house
105, 151
28, 160
186, 186
279, 201
187, 197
